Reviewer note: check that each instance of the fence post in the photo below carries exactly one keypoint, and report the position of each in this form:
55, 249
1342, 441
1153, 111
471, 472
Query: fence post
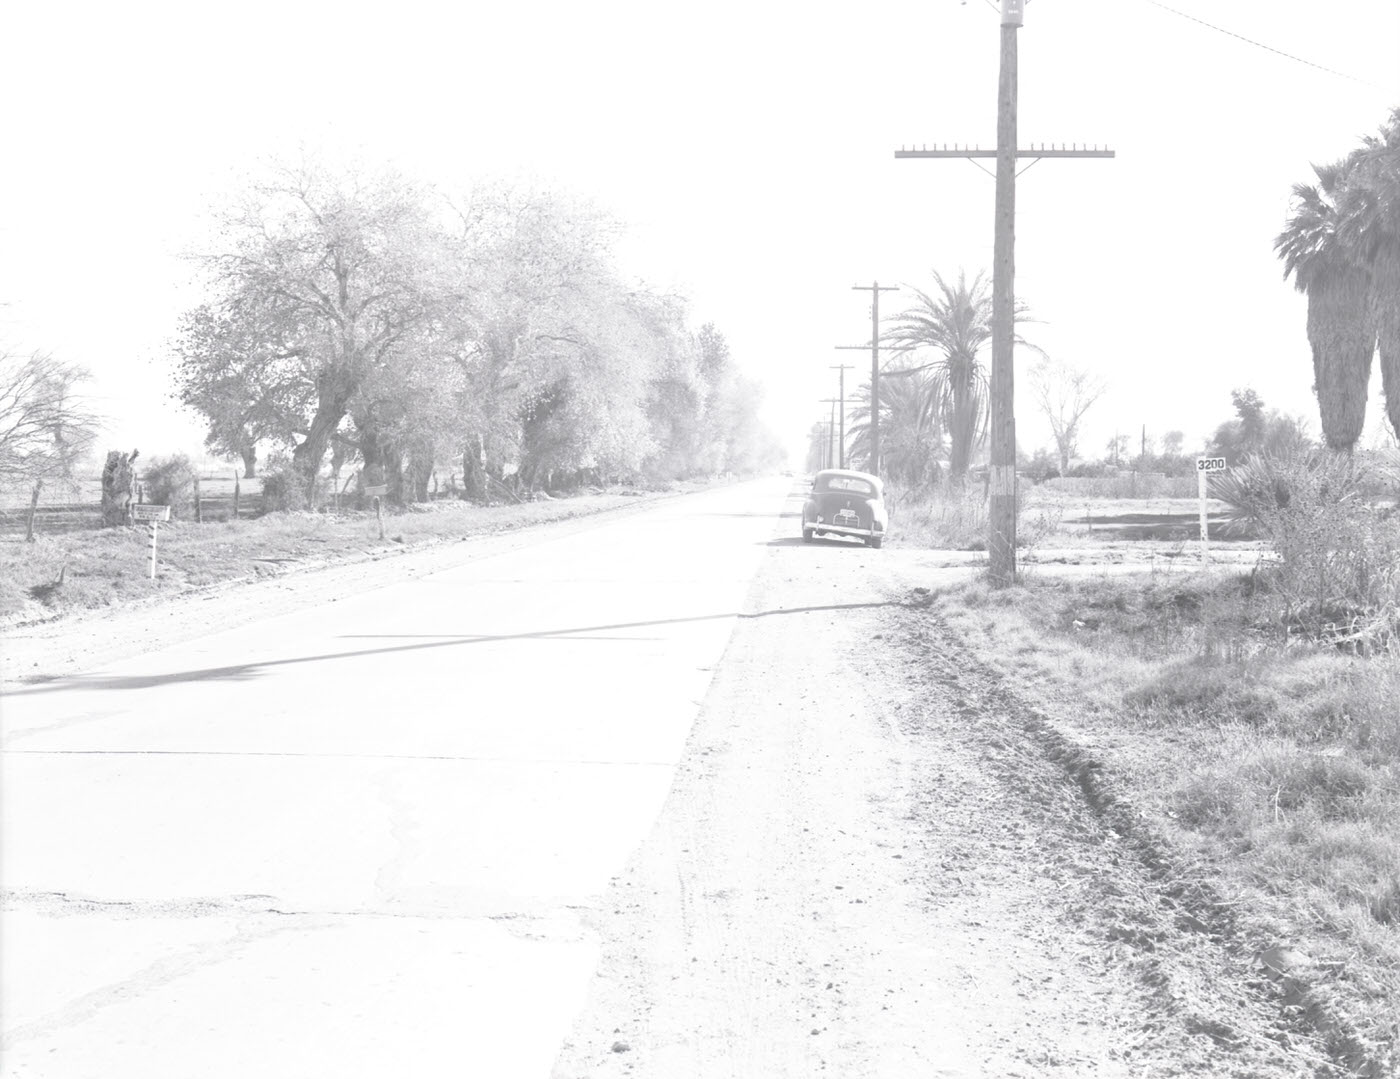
236, 490
33, 509
198, 505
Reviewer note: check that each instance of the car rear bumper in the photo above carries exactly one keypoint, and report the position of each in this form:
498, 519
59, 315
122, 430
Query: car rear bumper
844, 530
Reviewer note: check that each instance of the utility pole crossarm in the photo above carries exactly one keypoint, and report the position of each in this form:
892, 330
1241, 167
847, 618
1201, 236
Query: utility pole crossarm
1073, 150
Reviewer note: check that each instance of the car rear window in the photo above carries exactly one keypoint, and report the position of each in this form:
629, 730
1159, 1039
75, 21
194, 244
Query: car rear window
848, 483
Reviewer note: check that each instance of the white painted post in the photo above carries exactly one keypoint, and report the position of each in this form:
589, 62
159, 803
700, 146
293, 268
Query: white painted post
152, 515
1205, 531
1205, 466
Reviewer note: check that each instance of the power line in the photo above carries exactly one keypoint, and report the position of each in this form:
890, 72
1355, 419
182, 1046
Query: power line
1266, 48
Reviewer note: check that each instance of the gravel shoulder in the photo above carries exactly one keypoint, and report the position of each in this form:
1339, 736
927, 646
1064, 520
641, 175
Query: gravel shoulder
867, 868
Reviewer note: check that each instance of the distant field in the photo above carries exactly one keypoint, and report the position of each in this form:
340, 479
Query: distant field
1124, 485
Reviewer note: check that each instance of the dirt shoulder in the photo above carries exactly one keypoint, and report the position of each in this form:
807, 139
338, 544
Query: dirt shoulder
866, 867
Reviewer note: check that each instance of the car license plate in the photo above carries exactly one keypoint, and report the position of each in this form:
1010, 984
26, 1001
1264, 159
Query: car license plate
848, 519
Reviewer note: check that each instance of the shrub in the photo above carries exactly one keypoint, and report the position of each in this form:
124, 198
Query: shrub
1338, 571
170, 481
281, 489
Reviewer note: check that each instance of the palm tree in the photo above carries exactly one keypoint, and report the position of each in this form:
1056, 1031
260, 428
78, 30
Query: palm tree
955, 322
1342, 247
1341, 329
1370, 227
912, 443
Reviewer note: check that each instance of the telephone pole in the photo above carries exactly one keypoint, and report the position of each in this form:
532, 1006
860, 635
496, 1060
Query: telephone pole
874, 288
842, 368
831, 433
1001, 544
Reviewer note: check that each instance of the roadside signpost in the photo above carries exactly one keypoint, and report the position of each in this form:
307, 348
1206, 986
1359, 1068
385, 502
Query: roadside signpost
377, 492
153, 515
1204, 467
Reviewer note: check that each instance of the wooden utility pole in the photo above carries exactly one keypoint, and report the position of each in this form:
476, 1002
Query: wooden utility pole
831, 433
874, 288
1001, 542
875, 377
841, 370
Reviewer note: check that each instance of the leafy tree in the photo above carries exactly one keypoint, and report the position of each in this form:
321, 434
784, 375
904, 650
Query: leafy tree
233, 373
1116, 449
360, 313
954, 321
1064, 393
322, 284
1172, 442
1041, 465
557, 358
1256, 431
45, 425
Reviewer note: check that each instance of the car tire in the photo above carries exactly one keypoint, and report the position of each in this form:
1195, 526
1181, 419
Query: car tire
876, 542
806, 535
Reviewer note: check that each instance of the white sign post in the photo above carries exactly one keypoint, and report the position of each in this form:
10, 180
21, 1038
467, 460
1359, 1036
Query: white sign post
154, 515
1205, 466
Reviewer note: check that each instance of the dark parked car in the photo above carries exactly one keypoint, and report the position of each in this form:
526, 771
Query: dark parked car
846, 503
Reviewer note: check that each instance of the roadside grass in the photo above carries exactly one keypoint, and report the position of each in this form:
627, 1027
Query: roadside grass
95, 568
956, 519
1124, 485
1272, 762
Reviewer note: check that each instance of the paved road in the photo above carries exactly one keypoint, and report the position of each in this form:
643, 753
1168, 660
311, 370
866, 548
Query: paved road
352, 840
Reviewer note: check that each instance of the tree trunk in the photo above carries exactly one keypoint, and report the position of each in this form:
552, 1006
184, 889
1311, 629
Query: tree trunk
307, 457
371, 456
418, 469
337, 460
473, 471
393, 473
118, 487
250, 462
1386, 305
1342, 332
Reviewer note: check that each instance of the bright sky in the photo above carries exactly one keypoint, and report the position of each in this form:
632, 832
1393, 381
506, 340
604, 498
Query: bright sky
750, 148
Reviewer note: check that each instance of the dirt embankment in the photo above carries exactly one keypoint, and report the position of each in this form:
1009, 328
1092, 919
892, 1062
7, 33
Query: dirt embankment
869, 865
